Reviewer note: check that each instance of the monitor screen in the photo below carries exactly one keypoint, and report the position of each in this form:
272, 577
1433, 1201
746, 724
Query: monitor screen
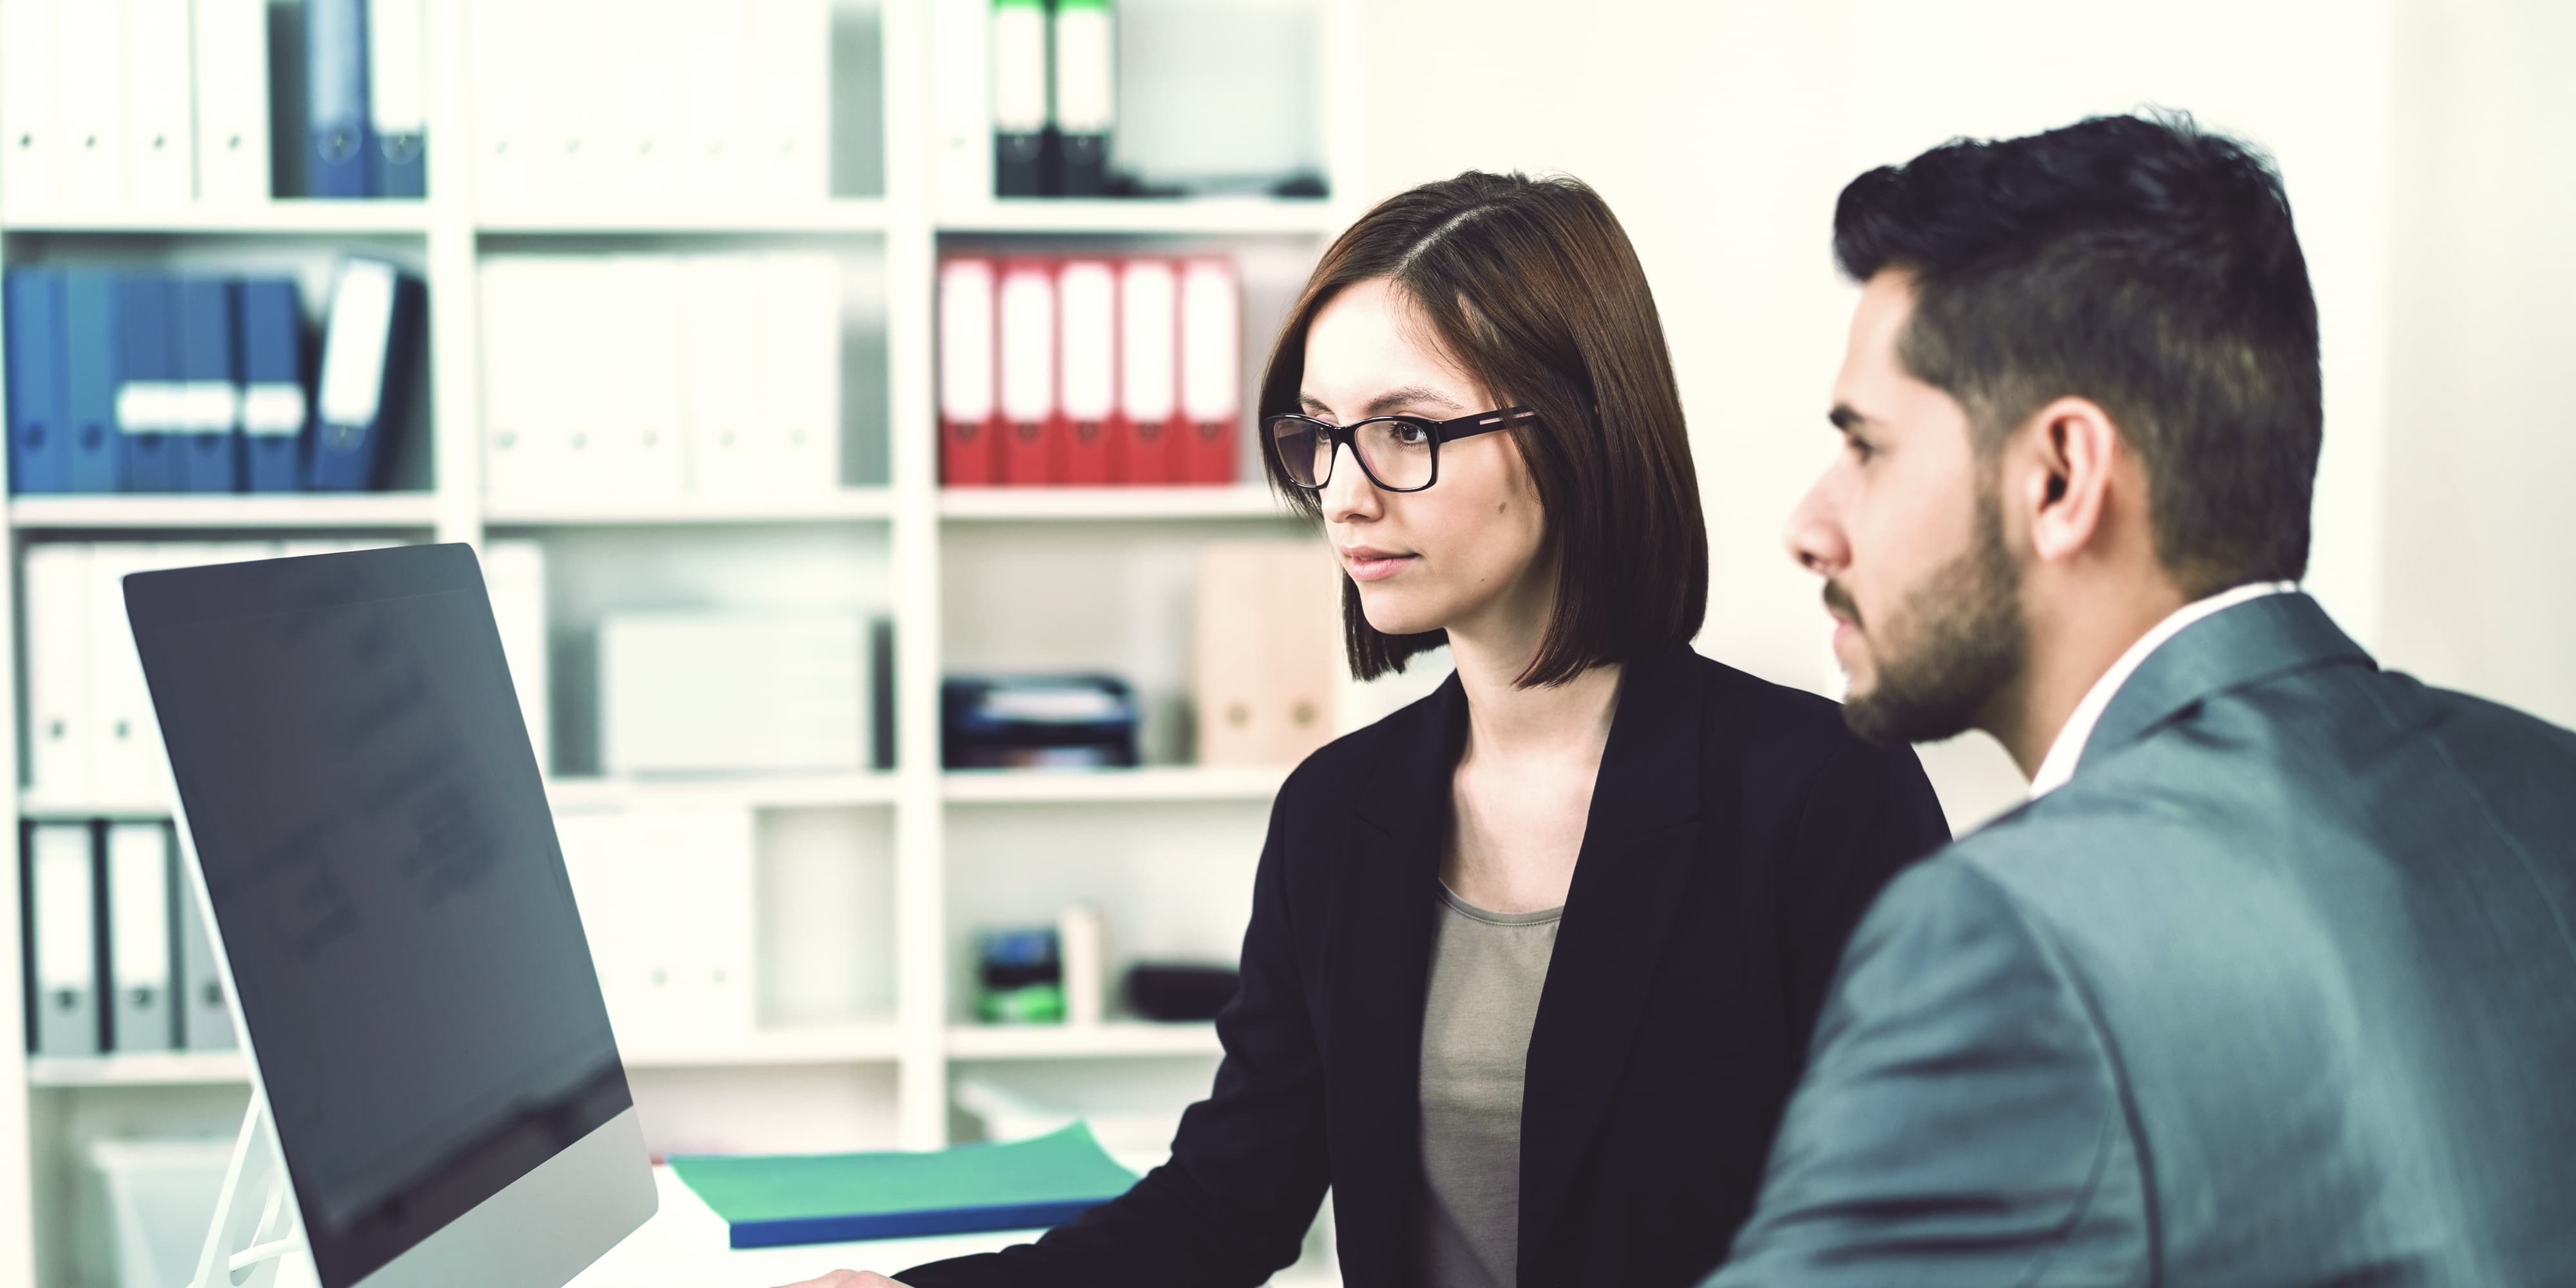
382, 864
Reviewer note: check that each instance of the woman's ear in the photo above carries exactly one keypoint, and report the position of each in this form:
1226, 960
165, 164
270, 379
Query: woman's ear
2072, 448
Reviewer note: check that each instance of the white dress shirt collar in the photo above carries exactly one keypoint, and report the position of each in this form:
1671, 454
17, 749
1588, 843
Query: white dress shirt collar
2069, 747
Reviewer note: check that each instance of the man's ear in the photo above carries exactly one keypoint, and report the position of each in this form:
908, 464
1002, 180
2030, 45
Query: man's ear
2070, 450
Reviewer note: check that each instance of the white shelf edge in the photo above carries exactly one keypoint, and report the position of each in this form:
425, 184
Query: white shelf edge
369, 510
844, 505
745, 791
1009, 504
288, 216
845, 1044
1117, 1039
836, 215
43, 805
1146, 216
156, 1069
1177, 783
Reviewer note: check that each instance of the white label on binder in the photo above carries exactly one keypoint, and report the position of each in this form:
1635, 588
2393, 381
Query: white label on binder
1149, 342
353, 359
1089, 303
1019, 68
1085, 88
1028, 344
1211, 347
151, 406
966, 340
272, 409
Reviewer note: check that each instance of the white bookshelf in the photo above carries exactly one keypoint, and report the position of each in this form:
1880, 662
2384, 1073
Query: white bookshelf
883, 845
355, 512
1108, 504
262, 219
844, 505
1112, 1040
1170, 784
175, 1069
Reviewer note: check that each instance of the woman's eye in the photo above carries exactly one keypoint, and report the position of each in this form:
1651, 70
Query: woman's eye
1411, 435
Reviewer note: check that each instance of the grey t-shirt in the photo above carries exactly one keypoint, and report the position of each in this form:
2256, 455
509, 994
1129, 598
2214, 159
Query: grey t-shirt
1486, 972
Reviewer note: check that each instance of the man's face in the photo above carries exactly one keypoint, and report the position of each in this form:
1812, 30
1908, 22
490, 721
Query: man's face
1906, 528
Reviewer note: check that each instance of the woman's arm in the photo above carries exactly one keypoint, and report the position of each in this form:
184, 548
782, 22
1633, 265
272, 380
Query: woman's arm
1248, 1166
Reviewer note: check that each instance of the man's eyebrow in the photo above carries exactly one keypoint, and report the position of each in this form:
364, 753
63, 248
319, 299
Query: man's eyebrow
1846, 417
1411, 396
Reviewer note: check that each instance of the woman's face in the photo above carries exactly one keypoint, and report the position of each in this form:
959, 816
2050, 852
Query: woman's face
1461, 555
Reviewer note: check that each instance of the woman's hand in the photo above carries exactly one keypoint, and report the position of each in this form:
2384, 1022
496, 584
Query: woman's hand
849, 1279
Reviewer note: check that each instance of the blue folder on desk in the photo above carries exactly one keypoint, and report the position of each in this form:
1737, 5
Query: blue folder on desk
774, 1200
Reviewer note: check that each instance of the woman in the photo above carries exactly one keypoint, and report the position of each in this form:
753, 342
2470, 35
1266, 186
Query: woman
1532, 963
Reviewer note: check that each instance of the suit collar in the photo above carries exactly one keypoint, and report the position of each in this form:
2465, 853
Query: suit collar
2260, 640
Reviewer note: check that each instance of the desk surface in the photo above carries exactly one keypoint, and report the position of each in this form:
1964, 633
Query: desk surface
684, 1245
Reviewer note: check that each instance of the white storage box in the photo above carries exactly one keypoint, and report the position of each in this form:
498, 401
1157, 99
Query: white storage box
162, 1194
700, 692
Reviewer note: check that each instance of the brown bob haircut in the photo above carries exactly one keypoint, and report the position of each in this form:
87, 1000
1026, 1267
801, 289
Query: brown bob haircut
1530, 285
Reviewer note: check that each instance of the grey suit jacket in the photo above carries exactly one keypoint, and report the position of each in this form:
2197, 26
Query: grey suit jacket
2280, 989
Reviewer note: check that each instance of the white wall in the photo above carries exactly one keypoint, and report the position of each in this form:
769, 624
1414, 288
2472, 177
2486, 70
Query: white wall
1722, 134
2481, 549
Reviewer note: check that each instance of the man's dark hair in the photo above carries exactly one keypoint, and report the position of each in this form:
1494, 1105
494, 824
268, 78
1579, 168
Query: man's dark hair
1531, 285
2142, 263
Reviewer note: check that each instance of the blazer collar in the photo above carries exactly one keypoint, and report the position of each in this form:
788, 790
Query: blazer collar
2250, 643
1639, 842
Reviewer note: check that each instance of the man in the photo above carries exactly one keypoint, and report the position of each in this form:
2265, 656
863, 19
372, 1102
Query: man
2273, 981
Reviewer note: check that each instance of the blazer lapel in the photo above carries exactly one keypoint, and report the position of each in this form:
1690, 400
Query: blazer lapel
1377, 974
2248, 643
1641, 842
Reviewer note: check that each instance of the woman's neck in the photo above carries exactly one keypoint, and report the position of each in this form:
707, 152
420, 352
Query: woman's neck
1506, 721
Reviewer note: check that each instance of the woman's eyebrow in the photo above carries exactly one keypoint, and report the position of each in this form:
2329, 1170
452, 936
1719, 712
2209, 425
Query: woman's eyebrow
1411, 396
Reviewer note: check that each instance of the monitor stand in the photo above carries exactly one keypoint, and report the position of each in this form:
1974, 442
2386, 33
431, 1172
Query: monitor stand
255, 1224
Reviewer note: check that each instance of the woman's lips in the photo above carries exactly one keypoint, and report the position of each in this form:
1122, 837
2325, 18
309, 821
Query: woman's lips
1374, 565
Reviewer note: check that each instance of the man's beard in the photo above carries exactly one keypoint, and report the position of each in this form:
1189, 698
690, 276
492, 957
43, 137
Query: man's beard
1957, 641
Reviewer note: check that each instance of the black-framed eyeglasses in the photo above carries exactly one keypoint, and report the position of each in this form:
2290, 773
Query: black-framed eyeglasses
1398, 453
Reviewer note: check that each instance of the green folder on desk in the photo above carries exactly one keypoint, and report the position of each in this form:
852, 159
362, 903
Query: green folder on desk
771, 1200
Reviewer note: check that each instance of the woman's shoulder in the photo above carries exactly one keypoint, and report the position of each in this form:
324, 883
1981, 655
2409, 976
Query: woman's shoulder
1795, 732
1331, 767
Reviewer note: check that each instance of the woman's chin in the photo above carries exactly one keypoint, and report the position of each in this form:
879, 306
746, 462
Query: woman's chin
1394, 612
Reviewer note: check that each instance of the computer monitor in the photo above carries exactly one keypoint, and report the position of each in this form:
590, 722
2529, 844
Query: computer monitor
416, 997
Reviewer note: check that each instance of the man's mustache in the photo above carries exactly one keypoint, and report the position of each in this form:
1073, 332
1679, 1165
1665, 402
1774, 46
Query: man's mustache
1840, 601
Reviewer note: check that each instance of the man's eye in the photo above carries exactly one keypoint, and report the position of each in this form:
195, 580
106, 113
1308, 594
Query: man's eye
1410, 435
1860, 448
